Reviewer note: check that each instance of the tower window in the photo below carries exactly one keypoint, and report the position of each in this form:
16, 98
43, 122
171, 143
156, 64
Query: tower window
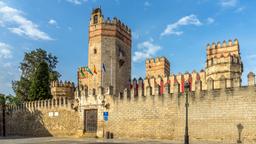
95, 51
95, 19
121, 57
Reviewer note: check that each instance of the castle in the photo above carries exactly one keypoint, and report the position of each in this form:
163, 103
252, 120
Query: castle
152, 107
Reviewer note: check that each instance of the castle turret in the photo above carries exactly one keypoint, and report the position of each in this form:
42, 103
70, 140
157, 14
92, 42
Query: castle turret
224, 63
62, 89
109, 45
157, 67
251, 79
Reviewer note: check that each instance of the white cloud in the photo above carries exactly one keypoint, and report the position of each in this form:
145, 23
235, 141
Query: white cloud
7, 69
171, 29
147, 4
145, 50
52, 22
5, 51
14, 20
77, 2
210, 20
228, 3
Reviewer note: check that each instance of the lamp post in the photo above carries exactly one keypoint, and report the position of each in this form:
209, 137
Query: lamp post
3, 118
4, 128
186, 136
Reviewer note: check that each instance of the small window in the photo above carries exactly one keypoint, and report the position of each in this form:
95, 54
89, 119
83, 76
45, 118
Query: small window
95, 19
95, 51
121, 62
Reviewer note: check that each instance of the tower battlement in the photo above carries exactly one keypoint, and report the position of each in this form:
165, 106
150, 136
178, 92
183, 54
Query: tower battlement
97, 17
159, 66
224, 62
108, 27
62, 84
62, 89
224, 48
118, 23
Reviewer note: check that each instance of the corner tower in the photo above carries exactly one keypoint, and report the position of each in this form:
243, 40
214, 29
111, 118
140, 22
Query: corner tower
224, 64
109, 45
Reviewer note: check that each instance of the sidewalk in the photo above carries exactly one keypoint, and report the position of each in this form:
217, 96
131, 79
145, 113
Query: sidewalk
54, 140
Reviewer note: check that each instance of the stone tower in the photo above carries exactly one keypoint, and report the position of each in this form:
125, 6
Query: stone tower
109, 45
224, 64
157, 67
62, 89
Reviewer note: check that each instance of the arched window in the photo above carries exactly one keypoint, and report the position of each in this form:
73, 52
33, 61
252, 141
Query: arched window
95, 51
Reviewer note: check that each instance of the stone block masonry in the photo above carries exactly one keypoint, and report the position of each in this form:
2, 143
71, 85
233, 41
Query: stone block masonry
213, 115
43, 118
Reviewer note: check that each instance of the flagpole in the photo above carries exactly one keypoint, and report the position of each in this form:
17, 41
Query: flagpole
101, 76
78, 87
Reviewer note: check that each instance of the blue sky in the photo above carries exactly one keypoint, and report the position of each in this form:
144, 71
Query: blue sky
177, 29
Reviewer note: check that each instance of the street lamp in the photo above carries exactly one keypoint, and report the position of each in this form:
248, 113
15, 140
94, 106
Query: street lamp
186, 136
3, 118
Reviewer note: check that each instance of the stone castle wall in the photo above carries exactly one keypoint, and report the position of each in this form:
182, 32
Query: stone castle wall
53, 117
213, 115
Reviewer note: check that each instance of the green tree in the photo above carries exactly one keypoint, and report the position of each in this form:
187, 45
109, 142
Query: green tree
2, 99
28, 67
40, 86
9, 99
21, 88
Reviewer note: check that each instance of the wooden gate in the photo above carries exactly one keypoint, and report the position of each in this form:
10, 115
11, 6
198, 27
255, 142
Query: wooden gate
90, 120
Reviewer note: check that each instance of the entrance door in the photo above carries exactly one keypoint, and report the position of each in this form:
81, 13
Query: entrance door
90, 120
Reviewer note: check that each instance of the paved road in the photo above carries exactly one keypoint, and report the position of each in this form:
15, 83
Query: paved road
52, 140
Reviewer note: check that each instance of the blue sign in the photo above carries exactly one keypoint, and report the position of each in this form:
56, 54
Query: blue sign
105, 115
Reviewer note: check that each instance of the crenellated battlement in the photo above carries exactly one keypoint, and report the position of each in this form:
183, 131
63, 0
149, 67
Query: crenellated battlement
172, 85
156, 60
62, 102
62, 89
224, 44
62, 84
117, 22
108, 27
175, 83
98, 18
217, 50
